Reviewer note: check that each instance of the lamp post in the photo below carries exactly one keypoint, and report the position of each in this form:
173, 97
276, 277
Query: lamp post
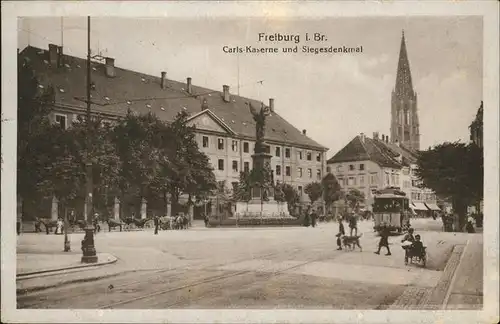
88, 248
67, 244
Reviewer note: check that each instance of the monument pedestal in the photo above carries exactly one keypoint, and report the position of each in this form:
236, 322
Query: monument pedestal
267, 209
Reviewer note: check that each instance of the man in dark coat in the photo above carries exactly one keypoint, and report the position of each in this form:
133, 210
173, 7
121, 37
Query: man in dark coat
313, 218
340, 234
353, 224
157, 224
384, 239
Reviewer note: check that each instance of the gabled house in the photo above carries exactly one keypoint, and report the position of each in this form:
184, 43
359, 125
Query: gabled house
368, 164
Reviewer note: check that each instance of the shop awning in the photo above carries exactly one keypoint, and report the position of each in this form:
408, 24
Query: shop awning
419, 206
432, 206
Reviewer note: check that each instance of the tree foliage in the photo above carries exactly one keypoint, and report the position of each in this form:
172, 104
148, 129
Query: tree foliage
331, 190
354, 198
243, 190
34, 106
453, 170
314, 190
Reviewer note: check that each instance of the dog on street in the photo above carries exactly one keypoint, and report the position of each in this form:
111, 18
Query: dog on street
351, 242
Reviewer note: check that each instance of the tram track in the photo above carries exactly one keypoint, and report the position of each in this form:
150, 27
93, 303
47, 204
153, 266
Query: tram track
216, 278
146, 280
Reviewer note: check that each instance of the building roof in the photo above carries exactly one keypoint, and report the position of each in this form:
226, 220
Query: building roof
131, 90
408, 156
386, 154
362, 148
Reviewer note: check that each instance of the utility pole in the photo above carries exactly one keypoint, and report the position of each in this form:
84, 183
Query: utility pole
88, 248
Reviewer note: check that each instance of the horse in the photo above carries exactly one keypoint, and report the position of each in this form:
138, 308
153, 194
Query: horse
114, 223
78, 222
139, 223
166, 223
47, 222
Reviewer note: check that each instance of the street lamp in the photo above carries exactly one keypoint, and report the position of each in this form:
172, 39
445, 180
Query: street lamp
67, 244
88, 248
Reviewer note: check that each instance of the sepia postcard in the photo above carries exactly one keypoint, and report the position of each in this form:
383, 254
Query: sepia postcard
250, 162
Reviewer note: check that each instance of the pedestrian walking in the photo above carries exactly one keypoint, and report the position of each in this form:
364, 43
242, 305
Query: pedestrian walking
19, 223
95, 221
340, 234
384, 239
307, 219
313, 218
353, 224
37, 225
205, 219
470, 225
59, 226
157, 224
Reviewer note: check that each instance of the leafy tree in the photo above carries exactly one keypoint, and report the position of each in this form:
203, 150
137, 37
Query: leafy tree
354, 198
289, 194
139, 144
190, 171
331, 190
34, 106
314, 190
454, 170
65, 166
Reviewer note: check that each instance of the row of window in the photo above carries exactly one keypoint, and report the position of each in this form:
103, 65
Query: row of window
423, 196
246, 148
62, 121
361, 181
288, 171
351, 167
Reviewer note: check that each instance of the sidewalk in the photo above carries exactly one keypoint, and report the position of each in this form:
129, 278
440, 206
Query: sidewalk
31, 264
466, 291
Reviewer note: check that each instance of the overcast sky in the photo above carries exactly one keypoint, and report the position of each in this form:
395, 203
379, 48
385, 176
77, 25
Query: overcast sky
333, 96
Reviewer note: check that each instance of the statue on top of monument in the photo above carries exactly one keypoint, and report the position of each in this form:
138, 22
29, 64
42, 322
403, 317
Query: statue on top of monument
260, 122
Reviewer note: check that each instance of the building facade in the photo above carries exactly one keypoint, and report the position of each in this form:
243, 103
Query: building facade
369, 164
225, 129
476, 128
404, 114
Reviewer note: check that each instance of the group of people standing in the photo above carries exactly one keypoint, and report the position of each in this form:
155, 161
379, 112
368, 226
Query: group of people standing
310, 218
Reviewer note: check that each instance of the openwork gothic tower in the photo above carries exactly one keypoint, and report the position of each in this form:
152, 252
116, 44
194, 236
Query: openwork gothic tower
404, 115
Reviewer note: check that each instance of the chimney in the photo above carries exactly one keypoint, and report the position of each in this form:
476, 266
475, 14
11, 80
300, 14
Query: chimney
375, 135
387, 138
383, 138
189, 86
271, 104
204, 105
163, 80
60, 62
362, 136
304, 132
110, 67
53, 51
225, 93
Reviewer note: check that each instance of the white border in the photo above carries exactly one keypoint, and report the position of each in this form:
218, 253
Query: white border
487, 9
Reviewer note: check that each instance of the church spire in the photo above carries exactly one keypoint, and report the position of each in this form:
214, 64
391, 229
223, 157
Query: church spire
404, 86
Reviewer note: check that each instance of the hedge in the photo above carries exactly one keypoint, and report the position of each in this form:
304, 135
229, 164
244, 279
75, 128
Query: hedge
256, 222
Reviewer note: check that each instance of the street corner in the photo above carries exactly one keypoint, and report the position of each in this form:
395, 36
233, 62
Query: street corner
31, 266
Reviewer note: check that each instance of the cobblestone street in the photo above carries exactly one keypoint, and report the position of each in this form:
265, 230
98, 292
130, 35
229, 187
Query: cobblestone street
244, 268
